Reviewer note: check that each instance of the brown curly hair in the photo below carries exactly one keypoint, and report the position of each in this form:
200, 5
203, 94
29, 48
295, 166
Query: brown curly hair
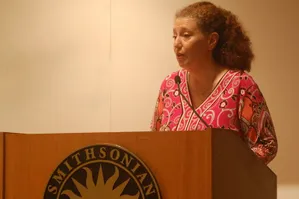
234, 46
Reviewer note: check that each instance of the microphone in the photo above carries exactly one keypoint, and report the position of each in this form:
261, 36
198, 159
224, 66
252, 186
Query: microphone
177, 80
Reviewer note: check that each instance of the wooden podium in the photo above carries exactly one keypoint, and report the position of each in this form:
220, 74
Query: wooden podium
211, 164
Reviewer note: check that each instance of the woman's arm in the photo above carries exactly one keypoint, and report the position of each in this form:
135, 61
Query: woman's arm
256, 122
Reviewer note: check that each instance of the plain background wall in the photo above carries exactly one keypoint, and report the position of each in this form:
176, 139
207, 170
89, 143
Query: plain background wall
80, 66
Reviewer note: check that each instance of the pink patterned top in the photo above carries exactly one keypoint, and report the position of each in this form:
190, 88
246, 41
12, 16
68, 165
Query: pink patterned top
236, 103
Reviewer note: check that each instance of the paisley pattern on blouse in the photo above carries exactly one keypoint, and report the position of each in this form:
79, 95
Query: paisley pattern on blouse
236, 103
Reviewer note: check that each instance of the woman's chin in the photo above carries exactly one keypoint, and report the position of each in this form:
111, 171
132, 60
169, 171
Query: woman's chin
184, 65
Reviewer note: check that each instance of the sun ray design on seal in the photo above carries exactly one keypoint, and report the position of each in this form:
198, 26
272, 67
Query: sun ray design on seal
100, 190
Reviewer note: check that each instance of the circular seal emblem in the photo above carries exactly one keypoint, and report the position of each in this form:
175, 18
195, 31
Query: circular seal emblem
102, 171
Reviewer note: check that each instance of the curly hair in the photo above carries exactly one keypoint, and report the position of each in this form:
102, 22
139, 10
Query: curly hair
234, 46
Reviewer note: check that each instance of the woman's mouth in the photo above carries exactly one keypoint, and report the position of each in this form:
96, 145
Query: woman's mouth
180, 56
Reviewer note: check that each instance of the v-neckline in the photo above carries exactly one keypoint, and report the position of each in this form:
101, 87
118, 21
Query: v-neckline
213, 90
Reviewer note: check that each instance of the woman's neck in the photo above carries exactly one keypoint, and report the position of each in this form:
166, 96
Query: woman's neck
203, 79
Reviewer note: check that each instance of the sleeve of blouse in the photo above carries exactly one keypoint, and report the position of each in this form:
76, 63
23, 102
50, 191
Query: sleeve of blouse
156, 119
256, 122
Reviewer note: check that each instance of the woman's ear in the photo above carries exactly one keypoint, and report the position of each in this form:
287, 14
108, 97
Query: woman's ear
213, 40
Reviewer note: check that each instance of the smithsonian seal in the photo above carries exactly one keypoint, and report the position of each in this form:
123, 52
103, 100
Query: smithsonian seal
102, 171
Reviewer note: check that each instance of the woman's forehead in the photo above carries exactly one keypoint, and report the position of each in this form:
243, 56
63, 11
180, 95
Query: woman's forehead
185, 23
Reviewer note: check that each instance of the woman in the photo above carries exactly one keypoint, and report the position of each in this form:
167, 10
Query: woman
215, 55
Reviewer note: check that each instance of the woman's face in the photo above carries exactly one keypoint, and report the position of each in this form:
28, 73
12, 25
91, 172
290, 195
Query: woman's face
191, 46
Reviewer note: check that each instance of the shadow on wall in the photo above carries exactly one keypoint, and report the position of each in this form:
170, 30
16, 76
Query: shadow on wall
274, 35
272, 26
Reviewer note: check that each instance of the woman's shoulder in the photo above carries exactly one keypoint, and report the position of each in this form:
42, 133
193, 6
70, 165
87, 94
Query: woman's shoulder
247, 84
172, 78
245, 79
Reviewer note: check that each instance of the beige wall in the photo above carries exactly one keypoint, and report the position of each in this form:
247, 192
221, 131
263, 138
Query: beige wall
54, 62
74, 66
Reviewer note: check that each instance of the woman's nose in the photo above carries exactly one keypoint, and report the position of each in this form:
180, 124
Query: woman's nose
177, 43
